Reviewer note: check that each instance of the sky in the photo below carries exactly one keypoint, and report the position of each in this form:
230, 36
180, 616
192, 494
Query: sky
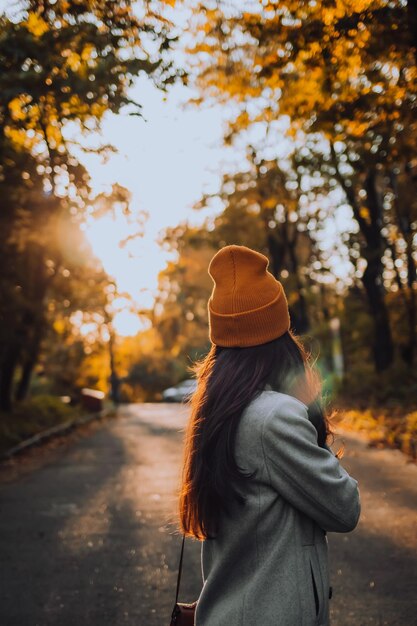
167, 162
167, 159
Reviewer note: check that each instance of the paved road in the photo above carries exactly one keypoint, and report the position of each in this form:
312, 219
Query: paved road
87, 532
374, 569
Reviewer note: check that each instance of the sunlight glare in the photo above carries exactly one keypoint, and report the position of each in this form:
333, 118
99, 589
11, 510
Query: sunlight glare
128, 324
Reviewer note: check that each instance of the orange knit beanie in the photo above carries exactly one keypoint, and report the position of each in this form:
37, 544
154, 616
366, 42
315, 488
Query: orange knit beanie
247, 306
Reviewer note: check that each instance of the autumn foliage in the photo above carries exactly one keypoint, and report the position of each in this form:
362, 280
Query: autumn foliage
320, 103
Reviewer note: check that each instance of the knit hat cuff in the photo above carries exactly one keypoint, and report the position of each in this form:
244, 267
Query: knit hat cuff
250, 328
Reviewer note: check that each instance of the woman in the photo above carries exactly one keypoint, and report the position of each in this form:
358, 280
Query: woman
260, 486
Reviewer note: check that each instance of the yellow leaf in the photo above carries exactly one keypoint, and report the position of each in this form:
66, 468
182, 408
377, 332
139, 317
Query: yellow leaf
36, 25
270, 203
74, 61
16, 107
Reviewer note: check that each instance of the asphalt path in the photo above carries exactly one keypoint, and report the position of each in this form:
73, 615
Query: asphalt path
88, 530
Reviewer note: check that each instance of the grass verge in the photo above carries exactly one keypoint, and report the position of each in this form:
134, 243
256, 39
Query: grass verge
32, 417
392, 428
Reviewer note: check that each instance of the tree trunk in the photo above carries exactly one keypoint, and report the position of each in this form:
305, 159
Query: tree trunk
276, 254
114, 378
30, 358
301, 322
412, 25
8, 368
25, 378
410, 350
404, 223
373, 279
373, 248
382, 343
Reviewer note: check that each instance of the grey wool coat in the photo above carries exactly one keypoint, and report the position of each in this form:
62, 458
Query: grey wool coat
270, 553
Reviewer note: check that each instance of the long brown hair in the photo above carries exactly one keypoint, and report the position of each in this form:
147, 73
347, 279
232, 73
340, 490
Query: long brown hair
228, 380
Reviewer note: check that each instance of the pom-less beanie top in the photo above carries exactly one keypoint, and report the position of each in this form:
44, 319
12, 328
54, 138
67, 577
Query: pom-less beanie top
247, 306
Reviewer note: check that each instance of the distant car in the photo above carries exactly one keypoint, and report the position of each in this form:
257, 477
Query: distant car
181, 392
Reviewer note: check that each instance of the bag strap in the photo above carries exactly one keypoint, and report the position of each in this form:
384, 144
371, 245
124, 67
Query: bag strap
180, 569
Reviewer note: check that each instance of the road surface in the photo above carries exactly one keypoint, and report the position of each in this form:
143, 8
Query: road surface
88, 534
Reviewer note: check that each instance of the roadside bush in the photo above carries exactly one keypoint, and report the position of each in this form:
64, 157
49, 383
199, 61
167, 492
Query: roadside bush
43, 409
409, 438
364, 388
31, 417
384, 427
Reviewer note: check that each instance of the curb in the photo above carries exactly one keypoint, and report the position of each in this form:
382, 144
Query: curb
59, 429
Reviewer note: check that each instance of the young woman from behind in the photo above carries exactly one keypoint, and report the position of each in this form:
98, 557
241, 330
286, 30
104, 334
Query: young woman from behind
260, 486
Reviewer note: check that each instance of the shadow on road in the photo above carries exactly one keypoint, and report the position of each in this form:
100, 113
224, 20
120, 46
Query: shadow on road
78, 545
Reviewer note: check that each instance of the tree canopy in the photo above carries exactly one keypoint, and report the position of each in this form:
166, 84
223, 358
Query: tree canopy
345, 72
62, 64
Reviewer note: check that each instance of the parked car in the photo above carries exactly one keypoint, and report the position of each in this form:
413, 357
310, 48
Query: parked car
180, 392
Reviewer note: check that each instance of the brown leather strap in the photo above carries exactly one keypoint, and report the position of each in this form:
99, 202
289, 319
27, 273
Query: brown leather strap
180, 569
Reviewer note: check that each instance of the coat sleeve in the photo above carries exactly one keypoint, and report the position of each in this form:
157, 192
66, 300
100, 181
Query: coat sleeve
309, 477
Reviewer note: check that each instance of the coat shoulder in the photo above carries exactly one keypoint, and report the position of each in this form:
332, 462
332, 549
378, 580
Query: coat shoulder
270, 405
274, 402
